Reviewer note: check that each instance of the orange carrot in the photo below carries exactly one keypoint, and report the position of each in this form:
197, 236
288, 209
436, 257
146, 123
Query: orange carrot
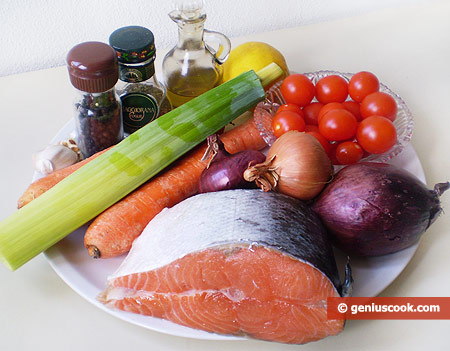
41, 185
112, 232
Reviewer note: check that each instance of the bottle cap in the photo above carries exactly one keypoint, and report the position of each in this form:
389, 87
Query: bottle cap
133, 44
93, 67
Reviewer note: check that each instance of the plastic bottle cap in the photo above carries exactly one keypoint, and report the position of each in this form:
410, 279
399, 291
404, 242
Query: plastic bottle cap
133, 44
93, 67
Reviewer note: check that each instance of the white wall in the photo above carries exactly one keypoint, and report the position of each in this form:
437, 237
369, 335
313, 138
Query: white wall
36, 34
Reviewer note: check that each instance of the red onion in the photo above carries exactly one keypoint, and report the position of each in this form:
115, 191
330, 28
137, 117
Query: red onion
372, 209
225, 171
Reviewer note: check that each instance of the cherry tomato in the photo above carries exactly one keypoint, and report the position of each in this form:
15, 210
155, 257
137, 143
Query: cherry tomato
285, 121
329, 107
311, 112
376, 134
332, 154
291, 107
297, 89
311, 128
354, 108
380, 104
331, 88
362, 84
338, 125
349, 152
322, 140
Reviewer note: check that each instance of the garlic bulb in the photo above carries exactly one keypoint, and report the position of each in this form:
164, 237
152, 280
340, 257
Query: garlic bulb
72, 144
54, 157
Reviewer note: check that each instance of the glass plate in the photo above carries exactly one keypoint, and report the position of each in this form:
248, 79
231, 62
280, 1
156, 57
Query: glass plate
404, 122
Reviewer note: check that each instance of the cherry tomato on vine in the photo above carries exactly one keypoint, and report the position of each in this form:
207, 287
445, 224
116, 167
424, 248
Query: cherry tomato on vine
362, 84
291, 107
354, 108
380, 104
286, 121
338, 125
376, 134
311, 112
349, 152
297, 89
329, 107
332, 88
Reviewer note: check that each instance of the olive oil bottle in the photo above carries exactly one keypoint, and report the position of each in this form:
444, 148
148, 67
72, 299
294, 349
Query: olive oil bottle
193, 66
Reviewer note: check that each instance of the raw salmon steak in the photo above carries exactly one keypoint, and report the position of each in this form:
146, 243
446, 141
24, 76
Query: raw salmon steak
239, 262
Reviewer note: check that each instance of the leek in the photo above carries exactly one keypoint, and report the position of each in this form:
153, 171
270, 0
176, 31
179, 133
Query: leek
105, 180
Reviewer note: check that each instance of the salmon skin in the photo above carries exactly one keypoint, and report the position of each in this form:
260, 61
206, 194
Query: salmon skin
242, 262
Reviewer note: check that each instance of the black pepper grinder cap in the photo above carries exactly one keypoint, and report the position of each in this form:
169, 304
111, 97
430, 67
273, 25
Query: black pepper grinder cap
93, 67
133, 44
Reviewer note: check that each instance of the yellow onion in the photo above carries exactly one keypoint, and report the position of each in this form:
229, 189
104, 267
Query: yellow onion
296, 165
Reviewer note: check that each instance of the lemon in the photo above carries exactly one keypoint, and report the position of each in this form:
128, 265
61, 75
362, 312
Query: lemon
252, 55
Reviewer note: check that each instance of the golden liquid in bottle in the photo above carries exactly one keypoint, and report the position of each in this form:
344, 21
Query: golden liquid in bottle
181, 89
178, 99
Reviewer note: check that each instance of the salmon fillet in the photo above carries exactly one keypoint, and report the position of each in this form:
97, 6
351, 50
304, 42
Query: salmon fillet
262, 267
234, 290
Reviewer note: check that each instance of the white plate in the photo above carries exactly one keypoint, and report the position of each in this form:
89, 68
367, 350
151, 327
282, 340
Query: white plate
88, 277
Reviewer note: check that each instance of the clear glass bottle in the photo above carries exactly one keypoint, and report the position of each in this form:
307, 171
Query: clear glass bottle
193, 66
93, 71
143, 97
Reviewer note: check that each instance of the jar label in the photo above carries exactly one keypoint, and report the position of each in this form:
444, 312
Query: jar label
138, 110
136, 74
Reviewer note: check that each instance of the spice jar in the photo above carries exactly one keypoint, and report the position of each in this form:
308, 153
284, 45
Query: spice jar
93, 71
143, 96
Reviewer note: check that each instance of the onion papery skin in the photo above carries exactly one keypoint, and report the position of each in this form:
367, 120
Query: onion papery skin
296, 165
226, 171
374, 209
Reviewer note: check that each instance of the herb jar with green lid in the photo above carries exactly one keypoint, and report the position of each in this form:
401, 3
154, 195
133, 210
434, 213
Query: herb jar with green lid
93, 71
143, 97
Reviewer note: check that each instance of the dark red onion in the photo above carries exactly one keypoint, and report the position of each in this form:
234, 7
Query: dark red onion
372, 209
226, 171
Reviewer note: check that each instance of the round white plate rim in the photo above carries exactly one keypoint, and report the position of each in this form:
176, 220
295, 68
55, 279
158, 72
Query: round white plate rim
65, 269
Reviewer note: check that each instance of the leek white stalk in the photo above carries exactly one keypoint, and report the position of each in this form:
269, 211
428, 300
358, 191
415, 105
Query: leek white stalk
105, 180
